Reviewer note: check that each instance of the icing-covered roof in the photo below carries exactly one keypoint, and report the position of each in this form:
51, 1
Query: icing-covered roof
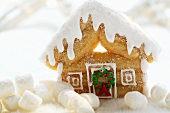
114, 21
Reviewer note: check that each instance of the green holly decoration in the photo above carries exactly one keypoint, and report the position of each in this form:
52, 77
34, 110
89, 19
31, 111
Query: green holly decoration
103, 73
96, 83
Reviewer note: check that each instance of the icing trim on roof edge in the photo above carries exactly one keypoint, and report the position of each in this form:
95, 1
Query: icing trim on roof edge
114, 21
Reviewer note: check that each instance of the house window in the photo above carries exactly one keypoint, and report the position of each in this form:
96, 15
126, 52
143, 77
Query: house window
75, 79
128, 77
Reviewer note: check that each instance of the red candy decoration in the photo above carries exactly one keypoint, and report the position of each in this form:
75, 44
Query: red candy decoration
97, 85
108, 83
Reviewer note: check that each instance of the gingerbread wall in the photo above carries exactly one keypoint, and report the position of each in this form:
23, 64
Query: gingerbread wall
121, 64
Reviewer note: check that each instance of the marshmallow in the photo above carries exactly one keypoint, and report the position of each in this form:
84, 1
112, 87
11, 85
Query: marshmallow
167, 100
92, 99
29, 101
159, 92
59, 86
81, 105
65, 96
48, 83
42, 91
11, 102
23, 83
135, 100
6, 88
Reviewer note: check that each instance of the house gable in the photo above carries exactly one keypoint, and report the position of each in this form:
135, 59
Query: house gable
81, 37
90, 40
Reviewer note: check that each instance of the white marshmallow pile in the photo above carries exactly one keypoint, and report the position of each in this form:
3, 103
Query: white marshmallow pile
29, 96
135, 100
13, 99
66, 95
158, 93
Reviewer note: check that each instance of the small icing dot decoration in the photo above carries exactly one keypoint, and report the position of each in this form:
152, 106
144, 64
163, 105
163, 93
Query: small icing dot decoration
105, 84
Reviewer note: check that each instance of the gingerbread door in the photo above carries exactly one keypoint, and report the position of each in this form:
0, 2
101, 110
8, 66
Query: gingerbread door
102, 79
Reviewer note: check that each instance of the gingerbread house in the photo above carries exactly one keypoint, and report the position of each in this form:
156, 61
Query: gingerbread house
75, 52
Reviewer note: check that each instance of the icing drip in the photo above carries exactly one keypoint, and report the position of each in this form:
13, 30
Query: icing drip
59, 70
114, 21
144, 65
51, 57
145, 78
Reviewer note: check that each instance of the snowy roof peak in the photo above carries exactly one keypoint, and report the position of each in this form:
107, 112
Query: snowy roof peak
114, 21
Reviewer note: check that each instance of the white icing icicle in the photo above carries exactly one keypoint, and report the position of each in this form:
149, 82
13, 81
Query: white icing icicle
70, 50
59, 71
51, 57
144, 65
114, 21
145, 77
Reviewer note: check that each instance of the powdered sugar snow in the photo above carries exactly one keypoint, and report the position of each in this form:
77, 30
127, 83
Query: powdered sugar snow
114, 21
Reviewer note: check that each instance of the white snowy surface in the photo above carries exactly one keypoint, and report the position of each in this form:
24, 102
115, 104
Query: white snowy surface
21, 48
107, 106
